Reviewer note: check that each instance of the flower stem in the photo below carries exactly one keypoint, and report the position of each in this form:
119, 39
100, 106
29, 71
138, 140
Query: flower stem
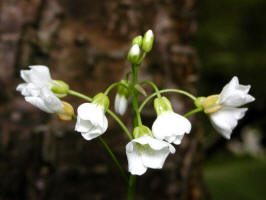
164, 91
114, 159
123, 126
131, 187
112, 86
136, 122
196, 110
112, 155
154, 87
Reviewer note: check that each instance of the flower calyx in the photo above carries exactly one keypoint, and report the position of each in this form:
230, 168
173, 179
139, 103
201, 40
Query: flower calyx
161, 105
102, 100
59, 88
211, 104
141, 131
137, 40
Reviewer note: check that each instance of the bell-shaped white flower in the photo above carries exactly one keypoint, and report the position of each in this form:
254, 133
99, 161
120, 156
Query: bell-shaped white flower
120, 104
38, 87
91, 119
223, 108
146, 152
168, 125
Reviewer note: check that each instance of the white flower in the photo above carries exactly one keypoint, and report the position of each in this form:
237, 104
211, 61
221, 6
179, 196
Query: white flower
120, 104
233, 95
37, 91
91, 120
38, 76
147, 152
171, 127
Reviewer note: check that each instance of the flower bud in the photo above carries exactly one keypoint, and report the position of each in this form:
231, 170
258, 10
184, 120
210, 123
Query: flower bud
147, 41
134, 54
161, 105
211, 104
67, 112
59, 87
102, 100
142, 130
137, 40
121, 98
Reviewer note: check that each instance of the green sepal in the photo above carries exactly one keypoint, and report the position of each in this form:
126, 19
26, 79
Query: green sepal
123, 90
141, 131
59, 87
161, 105
137, 40
102, 100
198, 102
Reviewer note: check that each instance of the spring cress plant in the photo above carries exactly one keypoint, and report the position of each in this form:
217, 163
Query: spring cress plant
146, 148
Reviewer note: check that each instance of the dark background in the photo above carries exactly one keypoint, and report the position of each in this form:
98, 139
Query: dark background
198, 47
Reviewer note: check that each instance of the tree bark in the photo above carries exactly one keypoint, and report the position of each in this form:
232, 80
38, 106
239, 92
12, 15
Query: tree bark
85, 43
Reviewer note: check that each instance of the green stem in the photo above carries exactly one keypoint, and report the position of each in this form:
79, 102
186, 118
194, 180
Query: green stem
114, 159
196, 110
131, 187
137, 118
142, 58
112, 86
77, 94
137, 122
154, 87
164, 91
108, 149
123, 126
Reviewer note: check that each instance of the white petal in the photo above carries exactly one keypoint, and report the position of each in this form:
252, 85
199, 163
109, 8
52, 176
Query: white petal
226, 119
40, 75
50, 100
169, 125
120, 104
234, 94
135, 165
91, 121
154, 151
155, 159
39, 103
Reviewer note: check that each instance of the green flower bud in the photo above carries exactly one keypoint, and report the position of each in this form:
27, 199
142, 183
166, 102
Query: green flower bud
147, 41
137, 40
162, 104
134, 54
59, 87
101, 99
198, 102
142, 130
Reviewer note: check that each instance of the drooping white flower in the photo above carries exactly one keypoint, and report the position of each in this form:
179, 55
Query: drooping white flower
120, 104
37, 89
168, 125
43, 99
147, 152
91, 119
224, 110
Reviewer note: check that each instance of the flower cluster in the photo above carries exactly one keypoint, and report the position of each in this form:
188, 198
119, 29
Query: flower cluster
147, 148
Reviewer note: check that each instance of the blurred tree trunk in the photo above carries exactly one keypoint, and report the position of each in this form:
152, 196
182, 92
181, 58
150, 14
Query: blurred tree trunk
85, 43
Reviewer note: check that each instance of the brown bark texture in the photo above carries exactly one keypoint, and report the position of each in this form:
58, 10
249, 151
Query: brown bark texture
84, 43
